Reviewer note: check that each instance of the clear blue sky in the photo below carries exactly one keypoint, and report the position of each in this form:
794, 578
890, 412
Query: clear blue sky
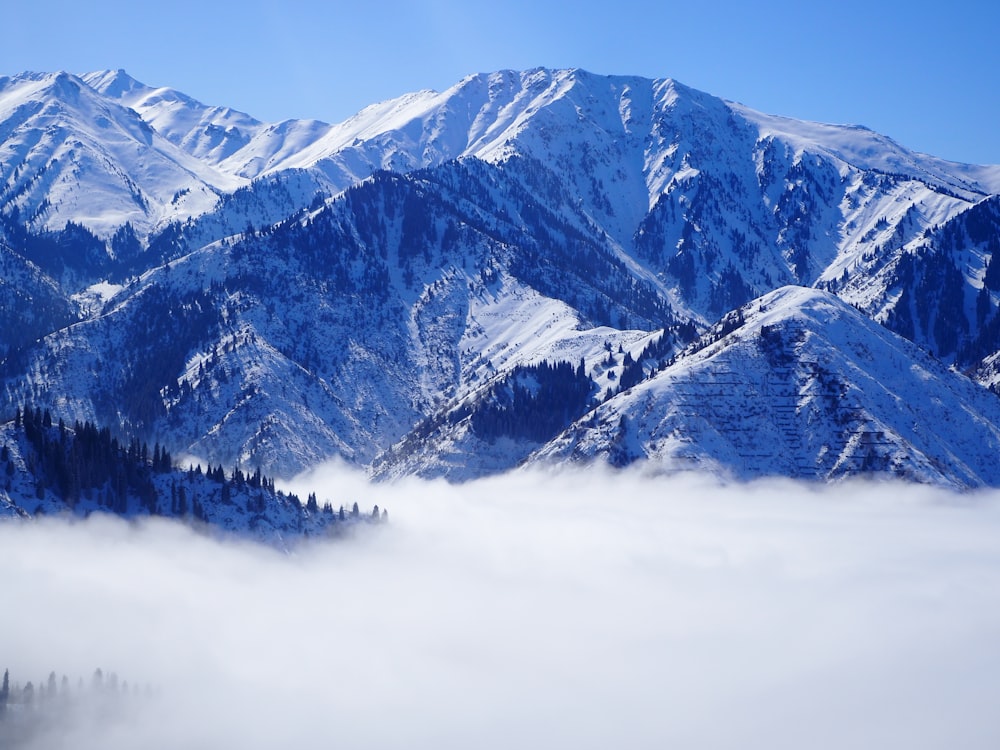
926, 73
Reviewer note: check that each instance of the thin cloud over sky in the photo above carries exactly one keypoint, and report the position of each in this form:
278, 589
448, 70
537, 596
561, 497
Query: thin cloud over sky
585, 610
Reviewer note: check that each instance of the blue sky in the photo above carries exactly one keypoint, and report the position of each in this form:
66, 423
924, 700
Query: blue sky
924, 73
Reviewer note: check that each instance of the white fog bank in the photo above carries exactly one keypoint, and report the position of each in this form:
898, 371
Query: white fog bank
583, 610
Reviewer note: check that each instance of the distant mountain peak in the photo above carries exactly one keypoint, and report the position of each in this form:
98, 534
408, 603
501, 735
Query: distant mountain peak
113, 83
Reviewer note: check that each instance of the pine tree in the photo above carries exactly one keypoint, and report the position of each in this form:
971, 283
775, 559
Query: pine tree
991, 279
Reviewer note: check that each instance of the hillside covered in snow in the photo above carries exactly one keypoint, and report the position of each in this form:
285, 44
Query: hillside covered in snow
544, 266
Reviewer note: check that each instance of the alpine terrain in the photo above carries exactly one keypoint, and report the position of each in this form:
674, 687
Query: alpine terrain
534, 267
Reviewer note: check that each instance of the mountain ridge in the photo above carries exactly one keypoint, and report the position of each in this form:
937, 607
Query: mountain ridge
369, 289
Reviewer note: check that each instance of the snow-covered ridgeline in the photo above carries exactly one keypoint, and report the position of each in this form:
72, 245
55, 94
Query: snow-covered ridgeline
287, 299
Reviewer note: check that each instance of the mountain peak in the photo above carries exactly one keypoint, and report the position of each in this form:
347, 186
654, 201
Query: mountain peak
113, 83
73, 153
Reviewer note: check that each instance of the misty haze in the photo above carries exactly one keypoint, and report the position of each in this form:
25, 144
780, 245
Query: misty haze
588, 609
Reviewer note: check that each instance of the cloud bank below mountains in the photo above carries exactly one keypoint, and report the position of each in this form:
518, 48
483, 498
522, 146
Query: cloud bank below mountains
585, 609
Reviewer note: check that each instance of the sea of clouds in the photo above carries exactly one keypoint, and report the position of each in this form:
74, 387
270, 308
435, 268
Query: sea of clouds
585, 609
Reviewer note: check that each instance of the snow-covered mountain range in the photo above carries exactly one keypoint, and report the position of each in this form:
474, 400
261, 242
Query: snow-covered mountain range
536, 266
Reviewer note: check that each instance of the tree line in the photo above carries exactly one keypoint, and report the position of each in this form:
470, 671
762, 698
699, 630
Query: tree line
15, 696
32, 710
87, 468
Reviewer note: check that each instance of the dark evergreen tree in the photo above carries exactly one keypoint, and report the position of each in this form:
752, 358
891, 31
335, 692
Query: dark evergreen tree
991, 280
984, 306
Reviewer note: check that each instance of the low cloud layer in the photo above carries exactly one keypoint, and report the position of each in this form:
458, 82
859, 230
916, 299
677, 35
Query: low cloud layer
584, 610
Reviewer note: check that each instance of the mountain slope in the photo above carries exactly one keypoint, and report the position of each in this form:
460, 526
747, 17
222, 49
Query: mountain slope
494, 258
805, 386
70, 154
336, 331
31, 302
210, 134
796, 383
